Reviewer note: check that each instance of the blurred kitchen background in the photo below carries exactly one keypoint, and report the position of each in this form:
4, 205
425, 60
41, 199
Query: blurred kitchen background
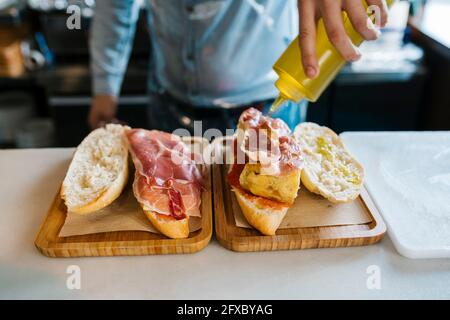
402, 83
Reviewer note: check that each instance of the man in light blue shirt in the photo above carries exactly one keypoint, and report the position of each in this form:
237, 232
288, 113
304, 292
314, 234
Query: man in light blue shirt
212, 58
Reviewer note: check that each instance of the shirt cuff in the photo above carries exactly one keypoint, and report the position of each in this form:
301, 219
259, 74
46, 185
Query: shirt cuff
107, 85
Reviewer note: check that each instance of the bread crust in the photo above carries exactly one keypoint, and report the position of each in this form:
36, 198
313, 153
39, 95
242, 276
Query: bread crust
266, 220
169, 226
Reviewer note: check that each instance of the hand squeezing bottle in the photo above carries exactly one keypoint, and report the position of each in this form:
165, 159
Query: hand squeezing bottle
293, 84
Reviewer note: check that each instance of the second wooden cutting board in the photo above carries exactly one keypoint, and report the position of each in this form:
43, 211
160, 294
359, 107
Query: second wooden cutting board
362, 226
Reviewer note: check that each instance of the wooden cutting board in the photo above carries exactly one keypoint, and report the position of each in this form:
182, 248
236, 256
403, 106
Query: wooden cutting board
121, 243
243, 239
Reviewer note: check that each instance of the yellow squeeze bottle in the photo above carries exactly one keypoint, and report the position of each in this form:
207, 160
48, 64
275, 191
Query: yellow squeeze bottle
293, 83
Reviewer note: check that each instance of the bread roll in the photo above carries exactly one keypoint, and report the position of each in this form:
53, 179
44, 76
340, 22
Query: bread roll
98, 172
330, 170
263, 214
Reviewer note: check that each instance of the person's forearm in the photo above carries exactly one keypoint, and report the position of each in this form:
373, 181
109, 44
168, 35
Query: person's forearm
111, 40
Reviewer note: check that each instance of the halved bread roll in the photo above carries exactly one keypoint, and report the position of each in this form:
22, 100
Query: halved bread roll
98, 172
330, 170
263, 214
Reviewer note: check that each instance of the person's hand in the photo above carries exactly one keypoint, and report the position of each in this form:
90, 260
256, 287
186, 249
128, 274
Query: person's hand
103, 111
310, 11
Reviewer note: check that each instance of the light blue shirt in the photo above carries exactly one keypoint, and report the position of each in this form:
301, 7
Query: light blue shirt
204, 52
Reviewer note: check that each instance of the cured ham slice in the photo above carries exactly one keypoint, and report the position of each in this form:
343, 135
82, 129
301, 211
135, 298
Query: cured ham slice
269, 142
167, 181
179, 199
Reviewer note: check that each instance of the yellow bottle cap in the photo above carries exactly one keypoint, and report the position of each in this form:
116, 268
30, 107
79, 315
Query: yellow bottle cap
290, 90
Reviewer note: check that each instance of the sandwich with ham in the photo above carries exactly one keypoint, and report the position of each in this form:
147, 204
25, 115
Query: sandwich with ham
266, 170
168, 181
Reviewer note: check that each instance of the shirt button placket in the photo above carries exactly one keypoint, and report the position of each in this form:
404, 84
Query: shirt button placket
190, 76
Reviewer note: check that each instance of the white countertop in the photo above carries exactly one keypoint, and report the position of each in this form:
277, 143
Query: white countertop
29, 180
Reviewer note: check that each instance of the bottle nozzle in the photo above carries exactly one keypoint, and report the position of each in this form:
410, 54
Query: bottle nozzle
278, 103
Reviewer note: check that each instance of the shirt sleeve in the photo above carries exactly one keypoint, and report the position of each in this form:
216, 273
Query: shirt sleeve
111, 40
